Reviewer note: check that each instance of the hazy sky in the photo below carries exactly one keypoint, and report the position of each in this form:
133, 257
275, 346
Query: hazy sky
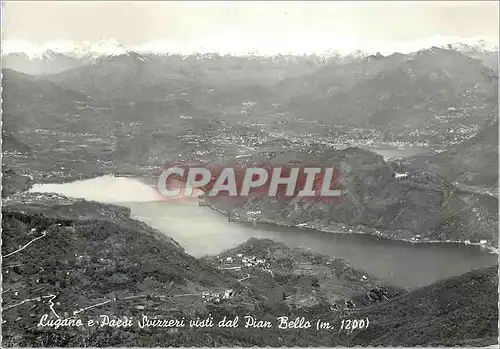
252, 25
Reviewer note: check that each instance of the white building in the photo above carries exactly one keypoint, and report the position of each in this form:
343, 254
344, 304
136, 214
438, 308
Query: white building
400, 175
228, 293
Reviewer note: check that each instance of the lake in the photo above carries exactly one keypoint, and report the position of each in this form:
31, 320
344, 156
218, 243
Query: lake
202, 231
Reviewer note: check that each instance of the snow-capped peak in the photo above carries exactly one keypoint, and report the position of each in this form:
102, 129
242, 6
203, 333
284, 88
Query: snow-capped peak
479, 45
85, 49
323, 46
109, 47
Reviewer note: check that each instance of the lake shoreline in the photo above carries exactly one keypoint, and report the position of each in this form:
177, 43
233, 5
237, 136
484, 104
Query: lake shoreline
390, 236
202, 231
307, 226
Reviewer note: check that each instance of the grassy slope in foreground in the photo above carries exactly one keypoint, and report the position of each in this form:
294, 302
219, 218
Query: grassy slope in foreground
87, 254
462, 310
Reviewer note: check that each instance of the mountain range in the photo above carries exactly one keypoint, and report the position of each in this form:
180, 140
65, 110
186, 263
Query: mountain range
54, 57
133, 111
431, 96
81, 112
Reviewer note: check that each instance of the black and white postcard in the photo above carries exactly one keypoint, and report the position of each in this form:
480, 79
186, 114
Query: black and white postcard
239, 174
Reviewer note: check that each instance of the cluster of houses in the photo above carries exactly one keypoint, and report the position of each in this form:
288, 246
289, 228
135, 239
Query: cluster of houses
216, 297
239, 262
247, 261
251, 261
